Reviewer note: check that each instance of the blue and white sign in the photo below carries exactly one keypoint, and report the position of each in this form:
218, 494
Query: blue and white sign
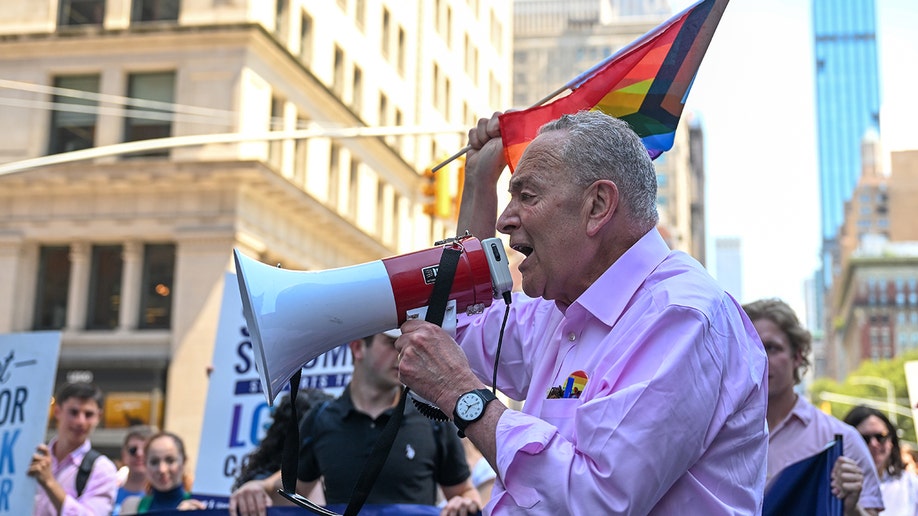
28, 366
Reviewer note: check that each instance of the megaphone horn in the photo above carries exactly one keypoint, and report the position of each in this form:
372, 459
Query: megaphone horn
295, 316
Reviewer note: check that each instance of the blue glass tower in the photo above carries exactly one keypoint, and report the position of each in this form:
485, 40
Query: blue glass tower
847, 106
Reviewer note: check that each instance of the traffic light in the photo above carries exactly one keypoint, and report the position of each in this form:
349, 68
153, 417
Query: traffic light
436, 187
443, 195
429, 191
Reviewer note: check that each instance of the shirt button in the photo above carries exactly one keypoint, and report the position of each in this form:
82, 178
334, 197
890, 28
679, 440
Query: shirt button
571, 337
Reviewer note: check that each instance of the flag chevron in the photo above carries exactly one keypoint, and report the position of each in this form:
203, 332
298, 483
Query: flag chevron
645, 84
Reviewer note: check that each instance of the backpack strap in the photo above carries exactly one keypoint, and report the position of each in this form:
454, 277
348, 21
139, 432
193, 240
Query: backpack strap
85, 469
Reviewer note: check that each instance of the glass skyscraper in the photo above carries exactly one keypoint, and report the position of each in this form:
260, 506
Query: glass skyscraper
847, 106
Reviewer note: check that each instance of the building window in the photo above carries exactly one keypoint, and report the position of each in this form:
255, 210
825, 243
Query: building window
81, 12
334, 174
104, 287
435, 85
401, 52
383, 109
276, 124
53, 287
151, 120
338, 74
281, 21
354, 190
155, 10
299, 153
156, 289
306, 38
398, 123
73, 122
385, 33
357, 86
449, 27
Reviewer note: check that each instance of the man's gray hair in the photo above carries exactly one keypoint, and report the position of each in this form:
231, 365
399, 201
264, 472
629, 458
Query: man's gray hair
599, 146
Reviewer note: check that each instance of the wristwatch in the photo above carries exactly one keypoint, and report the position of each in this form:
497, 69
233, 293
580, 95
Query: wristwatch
470, 407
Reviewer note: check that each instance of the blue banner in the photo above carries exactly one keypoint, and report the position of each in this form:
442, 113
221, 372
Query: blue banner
367, 510
804, 488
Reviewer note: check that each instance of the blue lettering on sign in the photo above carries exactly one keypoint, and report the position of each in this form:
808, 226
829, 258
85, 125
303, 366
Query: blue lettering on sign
336, 357
259, 425
6, 487
250, 386
12, 404
325, 381
229, 466
244, 352
6, 451
234, 441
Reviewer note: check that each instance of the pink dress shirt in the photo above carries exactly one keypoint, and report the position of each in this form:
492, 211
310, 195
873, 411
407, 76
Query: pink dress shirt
98, 495
805, 432
672, 417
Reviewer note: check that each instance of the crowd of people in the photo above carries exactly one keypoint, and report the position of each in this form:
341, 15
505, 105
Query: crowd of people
651, 338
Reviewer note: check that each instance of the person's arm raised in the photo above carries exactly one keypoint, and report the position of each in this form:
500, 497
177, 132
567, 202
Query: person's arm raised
484, 164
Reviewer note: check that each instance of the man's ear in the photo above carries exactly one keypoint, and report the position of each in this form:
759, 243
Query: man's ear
357, 348
602, 199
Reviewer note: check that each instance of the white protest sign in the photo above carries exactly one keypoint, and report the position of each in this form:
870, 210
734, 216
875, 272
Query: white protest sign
28, 366
236, 414
911, 382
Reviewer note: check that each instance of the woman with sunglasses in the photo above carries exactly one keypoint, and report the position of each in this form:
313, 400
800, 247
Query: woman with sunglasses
899, 487
132, 476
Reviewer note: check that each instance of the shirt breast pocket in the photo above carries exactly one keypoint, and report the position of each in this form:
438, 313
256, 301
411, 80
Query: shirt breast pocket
560, 413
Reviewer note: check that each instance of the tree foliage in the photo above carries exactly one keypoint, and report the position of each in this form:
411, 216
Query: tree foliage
892, 370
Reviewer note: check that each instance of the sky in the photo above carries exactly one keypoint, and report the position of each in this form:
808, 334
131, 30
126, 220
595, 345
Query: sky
754, 97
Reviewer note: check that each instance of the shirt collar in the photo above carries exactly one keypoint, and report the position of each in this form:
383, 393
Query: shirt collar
801, 411
608, 296
76, 456
348, 409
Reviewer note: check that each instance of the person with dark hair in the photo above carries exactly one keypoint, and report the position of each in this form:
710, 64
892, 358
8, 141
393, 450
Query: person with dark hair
265, 459
899, 487
56, 466
134, 482
797, 429
615, 342
165, 457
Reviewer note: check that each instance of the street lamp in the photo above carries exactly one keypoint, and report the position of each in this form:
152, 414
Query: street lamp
890, 393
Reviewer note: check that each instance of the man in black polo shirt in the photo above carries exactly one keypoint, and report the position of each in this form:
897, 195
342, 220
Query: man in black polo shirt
338, 437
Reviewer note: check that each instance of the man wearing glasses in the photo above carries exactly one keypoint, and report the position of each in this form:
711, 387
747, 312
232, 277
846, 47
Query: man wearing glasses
132, 477
797, 429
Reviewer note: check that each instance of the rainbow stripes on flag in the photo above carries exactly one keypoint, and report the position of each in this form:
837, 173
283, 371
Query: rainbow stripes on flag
645, 84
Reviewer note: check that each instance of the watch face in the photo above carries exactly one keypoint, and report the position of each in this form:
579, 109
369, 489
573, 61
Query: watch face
470, 406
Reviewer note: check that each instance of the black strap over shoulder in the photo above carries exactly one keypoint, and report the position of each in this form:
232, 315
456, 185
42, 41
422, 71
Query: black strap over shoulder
85, 469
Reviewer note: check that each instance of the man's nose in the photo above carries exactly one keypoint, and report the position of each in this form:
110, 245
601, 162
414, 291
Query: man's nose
507, 221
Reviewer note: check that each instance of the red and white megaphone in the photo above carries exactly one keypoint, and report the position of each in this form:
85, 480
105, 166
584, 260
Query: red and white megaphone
295, 316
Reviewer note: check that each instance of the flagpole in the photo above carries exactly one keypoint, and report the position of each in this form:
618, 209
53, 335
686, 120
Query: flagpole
467, 148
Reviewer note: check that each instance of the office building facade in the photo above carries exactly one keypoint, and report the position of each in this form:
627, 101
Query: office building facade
124, 252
